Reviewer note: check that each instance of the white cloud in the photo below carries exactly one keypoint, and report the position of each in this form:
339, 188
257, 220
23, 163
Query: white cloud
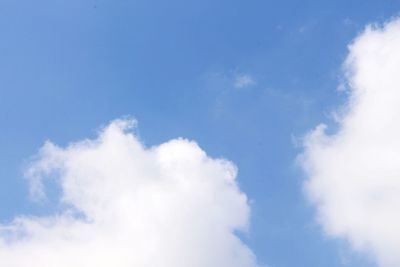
243, 81
166, 206
354, 174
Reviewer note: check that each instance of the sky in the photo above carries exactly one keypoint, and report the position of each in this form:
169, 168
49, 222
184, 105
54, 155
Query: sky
199, 133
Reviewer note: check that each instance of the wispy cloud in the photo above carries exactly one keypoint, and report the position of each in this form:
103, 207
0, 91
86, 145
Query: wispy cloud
243, 81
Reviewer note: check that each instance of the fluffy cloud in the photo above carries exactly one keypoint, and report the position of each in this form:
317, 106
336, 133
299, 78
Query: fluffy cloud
126, 205
354, 174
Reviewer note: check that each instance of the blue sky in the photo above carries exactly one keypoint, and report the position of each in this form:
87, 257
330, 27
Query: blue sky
70, 67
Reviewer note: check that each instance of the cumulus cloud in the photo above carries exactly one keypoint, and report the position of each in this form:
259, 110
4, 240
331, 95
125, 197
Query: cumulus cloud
127, 205
243, 81
354, 174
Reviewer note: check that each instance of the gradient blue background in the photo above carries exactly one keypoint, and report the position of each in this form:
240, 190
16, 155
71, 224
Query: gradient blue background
69, 67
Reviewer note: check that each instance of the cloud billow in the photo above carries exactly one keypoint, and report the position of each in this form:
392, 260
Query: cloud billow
354, 174
127, 205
